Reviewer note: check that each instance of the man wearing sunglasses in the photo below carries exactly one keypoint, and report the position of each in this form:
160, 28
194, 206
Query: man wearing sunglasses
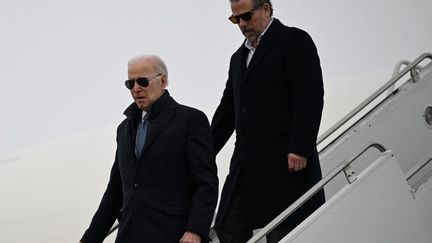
163, 185
273, 100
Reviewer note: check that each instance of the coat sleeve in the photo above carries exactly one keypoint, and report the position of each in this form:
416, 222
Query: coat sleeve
108, 210
203, 171
222, 125
306, 92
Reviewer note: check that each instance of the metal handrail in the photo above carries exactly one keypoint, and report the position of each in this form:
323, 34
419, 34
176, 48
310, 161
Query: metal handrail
212, 232
114, 228
311, 192
397, 70
418, 168
409, 68
398, 66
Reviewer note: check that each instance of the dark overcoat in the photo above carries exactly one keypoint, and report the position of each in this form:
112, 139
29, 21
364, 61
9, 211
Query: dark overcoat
275, 106
170, 189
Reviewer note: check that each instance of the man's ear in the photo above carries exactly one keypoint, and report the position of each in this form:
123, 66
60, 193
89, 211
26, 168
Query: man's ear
164, 81
267, 9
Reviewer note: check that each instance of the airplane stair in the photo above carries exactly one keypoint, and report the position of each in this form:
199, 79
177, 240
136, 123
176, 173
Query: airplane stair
384, 149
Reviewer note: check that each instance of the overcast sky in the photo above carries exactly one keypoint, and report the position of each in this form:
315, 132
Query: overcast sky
63, 63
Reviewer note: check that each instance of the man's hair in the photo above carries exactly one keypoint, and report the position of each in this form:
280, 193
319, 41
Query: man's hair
257, 3
157, 62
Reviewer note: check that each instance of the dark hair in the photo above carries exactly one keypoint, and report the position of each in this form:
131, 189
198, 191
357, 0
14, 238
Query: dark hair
258, 3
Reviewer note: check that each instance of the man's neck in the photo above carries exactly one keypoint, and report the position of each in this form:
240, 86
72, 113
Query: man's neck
266, 25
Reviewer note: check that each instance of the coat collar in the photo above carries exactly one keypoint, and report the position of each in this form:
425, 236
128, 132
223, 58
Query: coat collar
134, 112
163, 110
160, 116
265, 44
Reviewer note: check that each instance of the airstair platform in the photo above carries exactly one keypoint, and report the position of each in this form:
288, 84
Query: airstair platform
377, 207
377, 166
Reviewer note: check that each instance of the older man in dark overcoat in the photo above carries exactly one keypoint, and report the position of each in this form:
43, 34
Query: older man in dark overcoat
163, 186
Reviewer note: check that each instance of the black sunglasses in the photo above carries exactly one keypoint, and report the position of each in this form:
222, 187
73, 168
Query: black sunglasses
142, 81
245, 16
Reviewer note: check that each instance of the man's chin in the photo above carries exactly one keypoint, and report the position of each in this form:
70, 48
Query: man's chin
142, 106
251, 38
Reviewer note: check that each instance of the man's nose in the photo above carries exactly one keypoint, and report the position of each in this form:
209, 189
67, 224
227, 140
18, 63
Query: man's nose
136, 87
242, 23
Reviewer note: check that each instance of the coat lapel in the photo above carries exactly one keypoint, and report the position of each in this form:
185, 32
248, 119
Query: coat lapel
242, 60
159, 123
263, 48
133, 113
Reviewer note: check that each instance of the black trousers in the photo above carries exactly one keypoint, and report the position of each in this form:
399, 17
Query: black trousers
235, 229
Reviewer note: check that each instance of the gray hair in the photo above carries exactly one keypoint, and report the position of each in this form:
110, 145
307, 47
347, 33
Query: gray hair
158, 64
257, 3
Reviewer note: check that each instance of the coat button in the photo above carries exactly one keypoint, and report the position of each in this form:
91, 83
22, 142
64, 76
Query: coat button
243, 109
136, 185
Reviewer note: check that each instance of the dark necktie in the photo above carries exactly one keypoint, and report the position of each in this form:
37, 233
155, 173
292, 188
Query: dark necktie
141, 136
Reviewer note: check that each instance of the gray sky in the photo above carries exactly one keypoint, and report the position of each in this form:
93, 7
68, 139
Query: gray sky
63, 63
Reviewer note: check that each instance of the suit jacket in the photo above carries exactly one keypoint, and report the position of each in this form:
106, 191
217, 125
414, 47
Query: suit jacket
170, 189
275, 106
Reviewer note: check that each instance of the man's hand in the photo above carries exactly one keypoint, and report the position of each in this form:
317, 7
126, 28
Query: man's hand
189, 237
296, 162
